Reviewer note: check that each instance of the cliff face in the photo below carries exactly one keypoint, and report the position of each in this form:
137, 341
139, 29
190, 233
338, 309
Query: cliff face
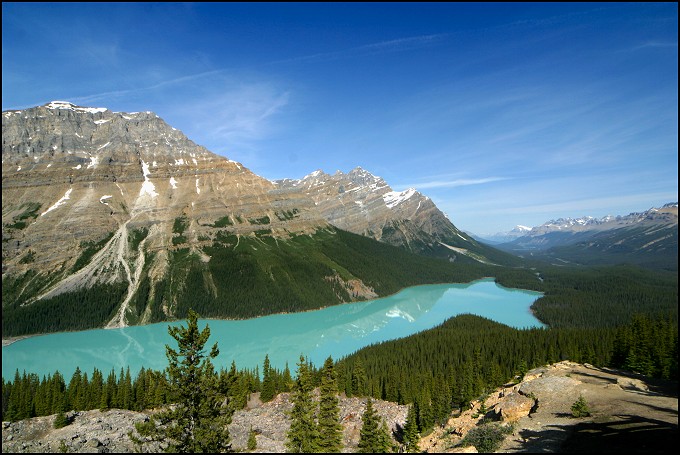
92, 197
73, 175
365, 204
78, 178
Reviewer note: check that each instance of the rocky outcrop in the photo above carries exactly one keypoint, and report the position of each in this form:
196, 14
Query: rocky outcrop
107, 432
513, 407
88, 432
624, 408
365, 204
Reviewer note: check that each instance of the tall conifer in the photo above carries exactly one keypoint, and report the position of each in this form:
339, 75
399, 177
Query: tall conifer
330, 430
302, 437
197, 422
411, 437
268, 385
369, 437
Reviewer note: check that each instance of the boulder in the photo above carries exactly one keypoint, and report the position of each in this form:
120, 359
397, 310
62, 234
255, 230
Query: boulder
632, 384
514, 406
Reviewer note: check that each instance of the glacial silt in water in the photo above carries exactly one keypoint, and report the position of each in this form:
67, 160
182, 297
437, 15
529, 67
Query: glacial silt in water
336, 331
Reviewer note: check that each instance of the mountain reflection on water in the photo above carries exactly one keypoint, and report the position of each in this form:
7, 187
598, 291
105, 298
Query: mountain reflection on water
333, 331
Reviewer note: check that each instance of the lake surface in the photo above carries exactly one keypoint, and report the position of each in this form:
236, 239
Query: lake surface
336, 331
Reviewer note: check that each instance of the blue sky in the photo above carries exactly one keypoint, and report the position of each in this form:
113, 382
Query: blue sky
503, 114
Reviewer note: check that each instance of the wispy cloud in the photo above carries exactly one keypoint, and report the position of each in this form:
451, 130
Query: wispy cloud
404, 43
655, 44
231, 117
453, 183
139, 90
394, 45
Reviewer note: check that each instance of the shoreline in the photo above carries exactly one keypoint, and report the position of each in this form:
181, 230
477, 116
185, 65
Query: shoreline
11, 340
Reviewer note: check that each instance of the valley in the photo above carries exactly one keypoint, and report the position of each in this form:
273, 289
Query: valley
148, 220
113, 220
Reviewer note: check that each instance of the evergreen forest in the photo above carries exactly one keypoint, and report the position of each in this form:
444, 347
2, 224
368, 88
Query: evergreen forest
621, 317
614, 316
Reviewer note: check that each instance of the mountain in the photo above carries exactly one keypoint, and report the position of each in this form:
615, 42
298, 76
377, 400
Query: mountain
117, 218
365, 204
504, 237
648, 238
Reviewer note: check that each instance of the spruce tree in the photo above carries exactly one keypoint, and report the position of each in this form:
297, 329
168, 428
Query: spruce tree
252, 440
330, 430
359, 379
60, 420
302, 437
197, 422
268, 387
384, 443
411, 436
369, 436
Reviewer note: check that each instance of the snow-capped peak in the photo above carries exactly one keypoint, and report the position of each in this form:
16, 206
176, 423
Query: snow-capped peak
314, 174
70, 106
394, 198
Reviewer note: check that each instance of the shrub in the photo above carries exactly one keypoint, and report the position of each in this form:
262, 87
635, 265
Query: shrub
60, 421
487, 437
580, 407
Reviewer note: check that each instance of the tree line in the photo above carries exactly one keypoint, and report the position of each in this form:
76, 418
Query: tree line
620, 317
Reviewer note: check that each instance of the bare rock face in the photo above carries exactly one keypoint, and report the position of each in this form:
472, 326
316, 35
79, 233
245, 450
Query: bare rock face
75, 178
92, 197
365, 204
107, 432
73, 174
513, 407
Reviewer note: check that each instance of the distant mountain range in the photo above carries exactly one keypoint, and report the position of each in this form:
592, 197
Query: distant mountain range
648, 238
125, 216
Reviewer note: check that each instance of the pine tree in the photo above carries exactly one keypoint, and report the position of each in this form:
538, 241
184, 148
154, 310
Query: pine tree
60, 420
287, 380
580, 407
384, 443
197, 422
268, 387
74, 392
359, 379
252, 440
96, 389
369, 436
330, 430
302, 437
411, 436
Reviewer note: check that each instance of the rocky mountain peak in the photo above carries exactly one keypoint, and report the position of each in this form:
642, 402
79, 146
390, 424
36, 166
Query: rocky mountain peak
127, 186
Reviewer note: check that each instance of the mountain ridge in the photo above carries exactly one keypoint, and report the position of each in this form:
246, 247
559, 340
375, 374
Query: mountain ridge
647, 238
124, 209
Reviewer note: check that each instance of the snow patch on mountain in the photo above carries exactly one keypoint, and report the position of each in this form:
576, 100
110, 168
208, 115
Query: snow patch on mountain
394, 198
70, 106
61, 201
147, 187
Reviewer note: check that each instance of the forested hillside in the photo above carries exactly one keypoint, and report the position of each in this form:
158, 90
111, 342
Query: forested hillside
243, 277
621, 317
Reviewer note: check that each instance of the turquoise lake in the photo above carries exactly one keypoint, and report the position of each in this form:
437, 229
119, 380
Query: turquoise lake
336, 331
